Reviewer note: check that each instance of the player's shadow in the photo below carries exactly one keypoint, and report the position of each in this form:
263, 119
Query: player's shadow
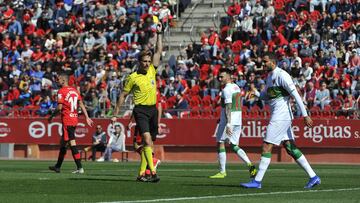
109, 175
100, 179
212, 185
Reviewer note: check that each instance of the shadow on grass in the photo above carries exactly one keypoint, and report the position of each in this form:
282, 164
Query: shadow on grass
213, 185
101, 179
109, 175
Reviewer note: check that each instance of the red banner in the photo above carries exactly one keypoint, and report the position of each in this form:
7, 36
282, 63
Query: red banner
186, 132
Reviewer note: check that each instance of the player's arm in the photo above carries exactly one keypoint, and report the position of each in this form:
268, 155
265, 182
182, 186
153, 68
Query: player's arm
83, 109
55, 112
159, 46
288, 84
228, 104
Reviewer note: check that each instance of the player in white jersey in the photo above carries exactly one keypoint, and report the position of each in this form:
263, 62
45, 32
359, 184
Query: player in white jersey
229, 128
279, 87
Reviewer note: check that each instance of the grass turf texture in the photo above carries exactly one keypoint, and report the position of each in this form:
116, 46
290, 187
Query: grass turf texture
30, 181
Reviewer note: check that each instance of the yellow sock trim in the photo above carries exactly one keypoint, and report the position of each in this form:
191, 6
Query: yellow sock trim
149, 158
143, 163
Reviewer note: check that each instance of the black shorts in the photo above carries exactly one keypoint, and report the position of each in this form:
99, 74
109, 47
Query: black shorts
146, 118
68, 133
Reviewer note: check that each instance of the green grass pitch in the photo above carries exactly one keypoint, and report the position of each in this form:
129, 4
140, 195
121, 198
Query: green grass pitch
30, 181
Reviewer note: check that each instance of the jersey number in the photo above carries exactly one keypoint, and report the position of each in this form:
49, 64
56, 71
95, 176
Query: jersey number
73, 103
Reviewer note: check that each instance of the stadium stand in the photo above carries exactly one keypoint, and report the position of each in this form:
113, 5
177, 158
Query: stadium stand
98, 42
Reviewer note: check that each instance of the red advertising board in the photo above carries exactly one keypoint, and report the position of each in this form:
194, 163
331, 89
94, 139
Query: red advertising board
186, 132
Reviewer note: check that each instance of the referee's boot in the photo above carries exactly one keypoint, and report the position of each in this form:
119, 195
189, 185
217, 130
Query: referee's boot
154, 178
54, 168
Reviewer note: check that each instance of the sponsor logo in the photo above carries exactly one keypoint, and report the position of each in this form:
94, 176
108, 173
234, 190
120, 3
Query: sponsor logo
38, 129
4, 129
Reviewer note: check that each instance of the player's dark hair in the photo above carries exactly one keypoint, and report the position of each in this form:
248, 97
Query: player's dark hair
225, 70
272, 57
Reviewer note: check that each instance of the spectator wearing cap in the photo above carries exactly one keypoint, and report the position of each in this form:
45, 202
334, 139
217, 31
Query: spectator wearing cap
164, 13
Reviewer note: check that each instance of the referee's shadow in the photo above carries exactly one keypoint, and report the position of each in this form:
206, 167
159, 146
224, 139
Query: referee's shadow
101, 179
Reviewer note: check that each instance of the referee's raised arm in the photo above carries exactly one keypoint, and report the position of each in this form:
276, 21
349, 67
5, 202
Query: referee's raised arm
159, 46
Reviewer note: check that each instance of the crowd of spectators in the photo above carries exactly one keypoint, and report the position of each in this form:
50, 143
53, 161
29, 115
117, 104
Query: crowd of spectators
317, 42
96, 41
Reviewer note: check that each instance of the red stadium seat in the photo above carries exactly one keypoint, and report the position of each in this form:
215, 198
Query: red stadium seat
206, 101
206, 112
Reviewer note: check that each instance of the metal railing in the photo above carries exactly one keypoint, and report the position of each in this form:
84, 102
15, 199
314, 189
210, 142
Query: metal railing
190, 16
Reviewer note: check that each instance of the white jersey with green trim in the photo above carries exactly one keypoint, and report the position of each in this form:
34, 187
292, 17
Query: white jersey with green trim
231, 94
279, 85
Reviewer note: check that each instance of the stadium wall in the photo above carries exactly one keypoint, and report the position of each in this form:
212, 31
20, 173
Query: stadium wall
192, 140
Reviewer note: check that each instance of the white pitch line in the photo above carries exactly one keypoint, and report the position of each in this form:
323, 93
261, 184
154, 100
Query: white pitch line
236, 195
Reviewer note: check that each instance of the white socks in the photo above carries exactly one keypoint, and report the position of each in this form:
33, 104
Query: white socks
222, 161
264, 164
242, 155
306, 166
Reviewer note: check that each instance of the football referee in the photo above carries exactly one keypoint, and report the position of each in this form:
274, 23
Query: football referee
142, 84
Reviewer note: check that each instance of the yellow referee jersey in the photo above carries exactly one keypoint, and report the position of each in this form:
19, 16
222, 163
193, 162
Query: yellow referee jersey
142, 86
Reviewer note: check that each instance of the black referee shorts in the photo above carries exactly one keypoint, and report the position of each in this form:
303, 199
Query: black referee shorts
146, 118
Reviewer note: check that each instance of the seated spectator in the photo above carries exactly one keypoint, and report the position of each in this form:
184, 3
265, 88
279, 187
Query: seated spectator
116, 143
310, 94
251, 96
98, 142
348, 108
45, 105
180, 105
322, 96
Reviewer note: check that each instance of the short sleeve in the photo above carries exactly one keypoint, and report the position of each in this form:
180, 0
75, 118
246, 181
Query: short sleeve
227, 96
286, 82
60, 97
129, 83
